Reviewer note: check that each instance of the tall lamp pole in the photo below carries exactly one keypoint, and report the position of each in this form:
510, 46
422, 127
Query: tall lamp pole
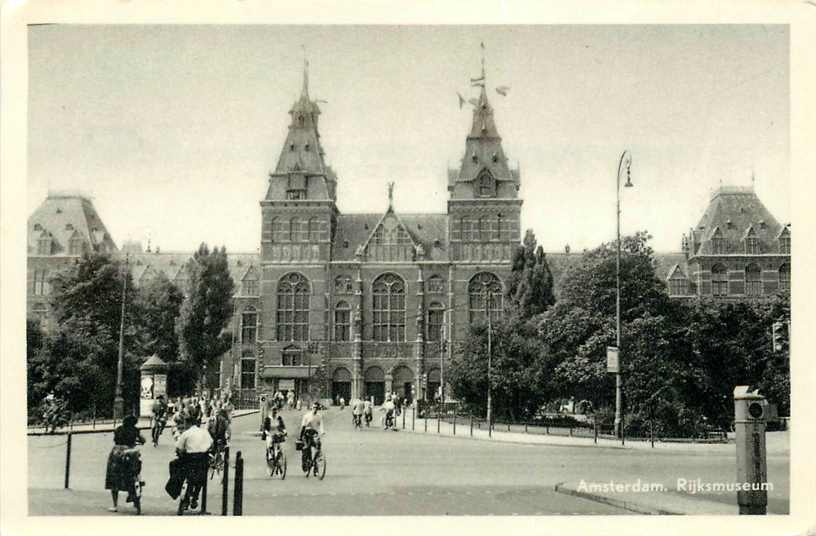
625, 164
488, 299
118, 401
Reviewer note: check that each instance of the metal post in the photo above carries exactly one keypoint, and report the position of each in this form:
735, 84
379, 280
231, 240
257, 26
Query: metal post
225, 483
525, 427
413, 418
238, 497
651, 432
627, 160
471, 426
595, 431
454, 422
68, 460
94, 417
426, 419
438, 420
118, 401
403, 419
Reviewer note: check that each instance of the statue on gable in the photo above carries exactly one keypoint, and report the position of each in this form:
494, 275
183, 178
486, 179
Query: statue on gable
419, 249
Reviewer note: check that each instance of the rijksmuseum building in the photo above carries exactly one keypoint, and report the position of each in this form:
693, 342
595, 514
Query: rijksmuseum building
359, 305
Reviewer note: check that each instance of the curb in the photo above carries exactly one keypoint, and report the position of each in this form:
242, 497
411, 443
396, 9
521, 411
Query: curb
626, 505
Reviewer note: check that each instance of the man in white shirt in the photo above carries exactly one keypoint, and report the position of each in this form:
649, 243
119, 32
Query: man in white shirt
193, 448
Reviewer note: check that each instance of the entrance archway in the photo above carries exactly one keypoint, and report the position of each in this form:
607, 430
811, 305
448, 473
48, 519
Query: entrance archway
403, 382
375, 384
341, 384
434, 381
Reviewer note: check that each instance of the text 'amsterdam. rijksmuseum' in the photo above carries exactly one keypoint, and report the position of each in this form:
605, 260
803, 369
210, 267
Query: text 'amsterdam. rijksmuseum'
368, 298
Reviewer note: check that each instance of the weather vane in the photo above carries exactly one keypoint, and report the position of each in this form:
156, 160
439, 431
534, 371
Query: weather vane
480, 82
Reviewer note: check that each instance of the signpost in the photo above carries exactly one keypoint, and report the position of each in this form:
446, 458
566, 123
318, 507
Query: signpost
612, 360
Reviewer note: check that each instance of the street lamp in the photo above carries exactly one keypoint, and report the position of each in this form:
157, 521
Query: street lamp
118, 401
625, 163
488, 298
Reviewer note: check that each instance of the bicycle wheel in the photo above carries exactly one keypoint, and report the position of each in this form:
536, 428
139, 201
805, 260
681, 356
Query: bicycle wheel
216, 465
320, 465
270, 463
282, 465
137, 495
183, 501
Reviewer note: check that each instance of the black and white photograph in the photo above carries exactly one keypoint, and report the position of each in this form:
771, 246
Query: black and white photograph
461, 270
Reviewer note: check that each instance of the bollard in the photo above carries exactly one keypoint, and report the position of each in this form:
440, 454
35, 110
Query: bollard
454, 423
651, 433
525, 427
595, 430
490, 428
438, 420
547, 429
403, 419
471, 426
94, 418
68, 460
426, 420
508, 426
750, 415
413, 418
225, 483
203, 510
238, 497
570, 431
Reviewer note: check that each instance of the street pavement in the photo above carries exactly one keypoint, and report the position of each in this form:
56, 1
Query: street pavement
374, 472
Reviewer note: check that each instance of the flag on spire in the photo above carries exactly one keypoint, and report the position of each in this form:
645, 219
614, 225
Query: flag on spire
461, 100
502, 90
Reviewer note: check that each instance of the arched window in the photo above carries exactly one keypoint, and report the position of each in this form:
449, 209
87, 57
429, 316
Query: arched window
751, 245
249, 325
436, 319
753, 280
248, 372
784, 277
487, 186
342, 321
389, 308
41, 285
293, 308
719, 280
485, 295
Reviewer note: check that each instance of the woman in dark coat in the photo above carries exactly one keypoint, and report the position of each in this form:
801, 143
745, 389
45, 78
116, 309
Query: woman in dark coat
123, 459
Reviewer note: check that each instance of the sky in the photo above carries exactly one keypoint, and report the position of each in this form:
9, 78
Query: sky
172, 130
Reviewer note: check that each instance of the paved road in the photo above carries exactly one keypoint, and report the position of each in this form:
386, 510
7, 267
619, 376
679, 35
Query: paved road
369, 472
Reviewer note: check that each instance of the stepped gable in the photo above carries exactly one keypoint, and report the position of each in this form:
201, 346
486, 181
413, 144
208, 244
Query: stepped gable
733, 212
66, 215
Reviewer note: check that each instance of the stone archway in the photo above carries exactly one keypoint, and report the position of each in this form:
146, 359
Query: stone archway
375, 384
403, 382
341, 385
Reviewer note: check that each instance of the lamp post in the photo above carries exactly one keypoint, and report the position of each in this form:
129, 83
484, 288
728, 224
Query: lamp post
488, 299
625, 163
118, 401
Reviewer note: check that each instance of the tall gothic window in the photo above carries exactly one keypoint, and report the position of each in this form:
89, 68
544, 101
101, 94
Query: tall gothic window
249, 286
314, 230
389, 308
485, 296
753, 280
436, 319
496, 232
249, 325
678, 286
784, 277
41, 285
342, 321
293, 308
719, 280
248, 365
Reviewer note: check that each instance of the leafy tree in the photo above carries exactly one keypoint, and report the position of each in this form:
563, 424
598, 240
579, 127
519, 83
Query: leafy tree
207, 310
530, 285
159, 304
35, 341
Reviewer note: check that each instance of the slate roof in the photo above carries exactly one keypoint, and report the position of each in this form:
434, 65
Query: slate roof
425, 229
66, 214
733, 210
170, 263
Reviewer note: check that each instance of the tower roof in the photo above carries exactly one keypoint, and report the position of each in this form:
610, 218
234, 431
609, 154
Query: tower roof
733, 213
66, 215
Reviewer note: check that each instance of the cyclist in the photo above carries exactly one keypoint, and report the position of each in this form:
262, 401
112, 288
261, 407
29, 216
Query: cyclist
218, 427
388, 407
310, 427
193, 450
159, 410
124, 461
368, 412
357, 408
274, 432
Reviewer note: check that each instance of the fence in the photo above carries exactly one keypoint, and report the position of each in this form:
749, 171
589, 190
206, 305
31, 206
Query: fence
455, 419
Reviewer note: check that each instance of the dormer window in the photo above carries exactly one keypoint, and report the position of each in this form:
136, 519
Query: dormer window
487, 185
751, 245
44, 244
75, 245
717, 243
784, 245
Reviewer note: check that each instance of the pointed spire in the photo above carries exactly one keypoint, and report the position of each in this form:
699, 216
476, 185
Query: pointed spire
304, 94
390, 195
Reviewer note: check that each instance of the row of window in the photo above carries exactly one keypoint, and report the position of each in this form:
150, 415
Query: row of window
295, 230
719, 246
719, 281
473, 229
41, 285
343, 285
45, 245
485, 300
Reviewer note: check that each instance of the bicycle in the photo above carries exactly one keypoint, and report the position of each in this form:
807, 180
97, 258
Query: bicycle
157, 429
276, 457
313, 458
188, 497
216, 461
135, 491
358, 421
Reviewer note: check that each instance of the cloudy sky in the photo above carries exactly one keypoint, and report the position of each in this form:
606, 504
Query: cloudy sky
173, 129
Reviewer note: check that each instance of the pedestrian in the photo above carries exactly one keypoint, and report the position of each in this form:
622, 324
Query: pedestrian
342, 403
123, 460
299, 406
